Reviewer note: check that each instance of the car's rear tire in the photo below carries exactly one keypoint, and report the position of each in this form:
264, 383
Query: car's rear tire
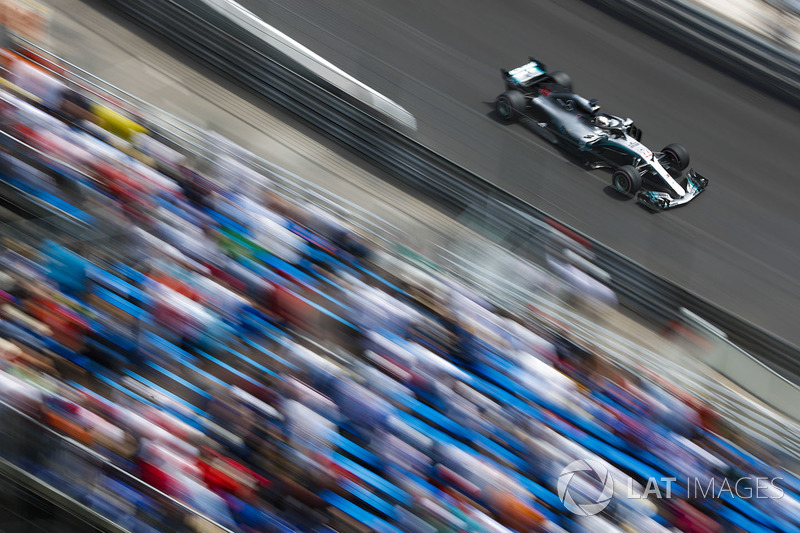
627, 180
561, 78
677, 155
510, 105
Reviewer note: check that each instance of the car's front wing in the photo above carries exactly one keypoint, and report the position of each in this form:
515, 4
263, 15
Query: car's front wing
658, 201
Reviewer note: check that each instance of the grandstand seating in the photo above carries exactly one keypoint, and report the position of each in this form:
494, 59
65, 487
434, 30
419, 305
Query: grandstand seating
235, 364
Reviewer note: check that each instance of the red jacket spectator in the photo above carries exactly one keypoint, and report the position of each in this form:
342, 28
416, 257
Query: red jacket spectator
691, 520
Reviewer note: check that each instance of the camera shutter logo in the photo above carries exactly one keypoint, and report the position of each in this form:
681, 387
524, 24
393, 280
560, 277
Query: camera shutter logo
576, 501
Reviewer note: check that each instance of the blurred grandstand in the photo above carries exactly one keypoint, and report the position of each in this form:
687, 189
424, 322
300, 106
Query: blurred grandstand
192, 341
776, 20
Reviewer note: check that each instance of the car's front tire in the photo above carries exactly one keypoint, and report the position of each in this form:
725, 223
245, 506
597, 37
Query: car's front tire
627, 180
677, 155
510, 105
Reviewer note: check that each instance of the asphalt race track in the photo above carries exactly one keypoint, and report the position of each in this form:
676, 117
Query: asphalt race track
738, 244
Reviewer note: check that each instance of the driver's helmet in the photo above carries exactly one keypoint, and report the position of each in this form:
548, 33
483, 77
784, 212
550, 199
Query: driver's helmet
602, 122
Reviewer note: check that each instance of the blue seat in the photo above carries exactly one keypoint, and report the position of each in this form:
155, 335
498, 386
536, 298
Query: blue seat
372, 478
72, 356
259, 269
118, 387
455, 428
55, 202
281, 282
536, 489
108, 508
607, 451
359, 514
109, 280
264, 327
176, 378
114, 384
746, 508
178, 210
122, 343
789, 480
266, 352
229, 368
355, 450
278, 264
113, 354
227, 222
175, 352
419, 481
307, 235
743, 523
206, 375
382, 280
311, 282
369, 498
325, 311
434, 416
592, 443
120, 303
132, 274
123, 490
586, 425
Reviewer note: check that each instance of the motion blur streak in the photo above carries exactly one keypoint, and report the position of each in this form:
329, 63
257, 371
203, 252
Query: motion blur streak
441, 61
251, 355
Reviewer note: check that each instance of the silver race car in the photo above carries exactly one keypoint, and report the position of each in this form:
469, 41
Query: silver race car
600, 140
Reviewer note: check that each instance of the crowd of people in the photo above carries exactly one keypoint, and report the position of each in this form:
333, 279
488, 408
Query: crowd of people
234, 354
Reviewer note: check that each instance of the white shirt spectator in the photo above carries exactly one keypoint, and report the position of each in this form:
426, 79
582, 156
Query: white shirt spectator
307, 428
311, 398
323, 223
312, 362
583, 285
157, 150
374, 309
528, 341
155, 181
237, 176
30, 176
278, 240
17, 392
597, 524
396, 451
146, 429
38, 82
100, 425
225, 300
206, 501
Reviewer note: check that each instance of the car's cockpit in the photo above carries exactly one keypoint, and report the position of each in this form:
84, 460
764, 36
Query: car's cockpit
609, 125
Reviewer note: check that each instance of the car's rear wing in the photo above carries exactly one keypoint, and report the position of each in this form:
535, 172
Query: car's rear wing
525, 75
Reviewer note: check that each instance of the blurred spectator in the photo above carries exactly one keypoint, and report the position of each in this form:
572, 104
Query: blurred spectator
207, 360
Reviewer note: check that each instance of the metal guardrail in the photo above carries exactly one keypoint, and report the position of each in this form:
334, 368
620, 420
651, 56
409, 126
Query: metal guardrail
331, 74
789, 6
17, 481
31, 451
253, 65
749, 56
741, 367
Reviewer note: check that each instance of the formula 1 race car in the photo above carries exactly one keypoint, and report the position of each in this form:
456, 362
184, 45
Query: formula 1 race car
600, 140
